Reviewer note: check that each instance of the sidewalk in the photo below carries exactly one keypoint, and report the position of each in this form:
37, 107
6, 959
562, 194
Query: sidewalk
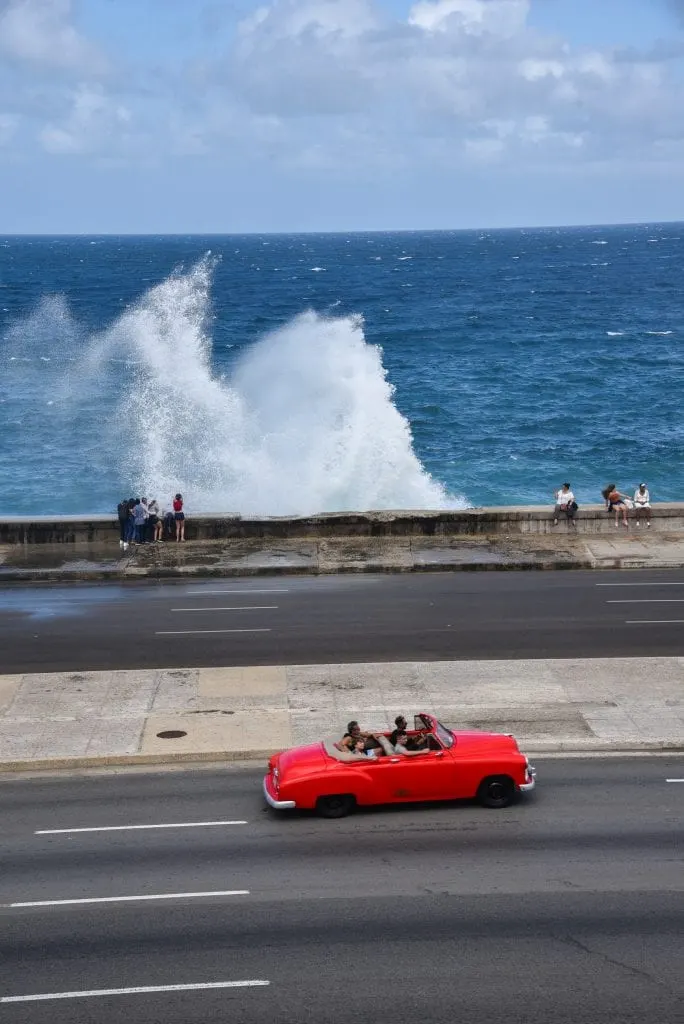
561, 549
87, 719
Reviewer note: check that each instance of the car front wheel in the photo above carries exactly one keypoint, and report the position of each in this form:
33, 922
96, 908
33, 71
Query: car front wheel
334, 806
496, 791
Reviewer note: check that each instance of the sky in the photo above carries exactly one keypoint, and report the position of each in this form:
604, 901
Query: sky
197, 116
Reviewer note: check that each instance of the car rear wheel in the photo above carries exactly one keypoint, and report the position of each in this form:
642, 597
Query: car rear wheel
335, 806
496, 791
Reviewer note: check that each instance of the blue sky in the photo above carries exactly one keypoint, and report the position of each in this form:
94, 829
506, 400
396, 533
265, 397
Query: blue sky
305, 115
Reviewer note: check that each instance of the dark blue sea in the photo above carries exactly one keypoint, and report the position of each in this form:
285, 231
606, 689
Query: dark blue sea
290, 374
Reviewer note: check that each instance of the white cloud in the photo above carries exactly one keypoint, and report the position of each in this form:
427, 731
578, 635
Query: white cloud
451, 70
343, 85
41, 33
533, 69
92, 123
474, 17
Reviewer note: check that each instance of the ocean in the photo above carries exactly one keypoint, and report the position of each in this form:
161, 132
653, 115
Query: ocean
295, 374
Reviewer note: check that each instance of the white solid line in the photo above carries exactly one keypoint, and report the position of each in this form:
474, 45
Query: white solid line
653, 584
233, 608
674, 780
126, 828
129, 899
187, 632
652, 622
647, 600
139, 990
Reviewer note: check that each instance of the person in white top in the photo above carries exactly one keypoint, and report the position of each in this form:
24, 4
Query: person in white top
642, 504
565, 502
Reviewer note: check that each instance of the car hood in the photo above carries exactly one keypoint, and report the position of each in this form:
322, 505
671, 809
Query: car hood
496, 740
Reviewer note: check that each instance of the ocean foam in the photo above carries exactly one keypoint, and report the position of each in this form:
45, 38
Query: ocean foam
305, 422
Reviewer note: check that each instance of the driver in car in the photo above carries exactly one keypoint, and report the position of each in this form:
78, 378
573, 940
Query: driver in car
412, 742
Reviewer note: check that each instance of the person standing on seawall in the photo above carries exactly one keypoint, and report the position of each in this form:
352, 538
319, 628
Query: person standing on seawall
642, 504
179, 516
130, 526
616, 502
140, 520
122, 513
153, 524
565, 502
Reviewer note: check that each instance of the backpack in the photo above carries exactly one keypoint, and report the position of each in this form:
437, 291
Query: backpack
122, 510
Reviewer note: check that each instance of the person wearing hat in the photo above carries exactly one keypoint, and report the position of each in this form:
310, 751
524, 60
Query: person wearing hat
642, 504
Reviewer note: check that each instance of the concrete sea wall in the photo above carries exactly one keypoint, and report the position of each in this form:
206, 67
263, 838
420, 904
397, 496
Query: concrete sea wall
513, 520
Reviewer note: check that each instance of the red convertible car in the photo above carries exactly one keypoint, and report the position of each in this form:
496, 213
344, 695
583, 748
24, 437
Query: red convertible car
483, 765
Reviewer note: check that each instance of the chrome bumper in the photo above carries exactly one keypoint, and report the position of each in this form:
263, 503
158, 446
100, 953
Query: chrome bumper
525, 787
278, 805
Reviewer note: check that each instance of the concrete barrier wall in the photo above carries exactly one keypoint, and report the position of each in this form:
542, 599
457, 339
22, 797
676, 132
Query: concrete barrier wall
206, 527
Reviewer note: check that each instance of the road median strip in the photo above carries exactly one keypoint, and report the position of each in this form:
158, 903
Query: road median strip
184, 716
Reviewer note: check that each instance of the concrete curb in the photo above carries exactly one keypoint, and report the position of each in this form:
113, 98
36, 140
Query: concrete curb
567, 747
125, 760
199, 572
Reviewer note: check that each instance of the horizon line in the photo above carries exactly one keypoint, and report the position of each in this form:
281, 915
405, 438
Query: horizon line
336, 231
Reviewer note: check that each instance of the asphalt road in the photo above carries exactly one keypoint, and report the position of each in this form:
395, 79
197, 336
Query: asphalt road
567, 907
318, 620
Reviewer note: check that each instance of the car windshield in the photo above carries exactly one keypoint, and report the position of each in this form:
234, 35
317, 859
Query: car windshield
444, 735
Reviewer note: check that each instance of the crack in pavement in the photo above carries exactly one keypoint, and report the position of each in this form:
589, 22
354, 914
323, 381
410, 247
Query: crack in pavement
639, 972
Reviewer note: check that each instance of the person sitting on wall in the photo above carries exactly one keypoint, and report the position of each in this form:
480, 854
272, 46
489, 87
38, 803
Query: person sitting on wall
617, 503
565, 504
642, 504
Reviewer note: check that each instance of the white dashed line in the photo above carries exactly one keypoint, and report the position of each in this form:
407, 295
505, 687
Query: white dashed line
131, 828
129, 899
232, 608
655, 583
137, 991
243, 592
193, 632
647, 600
674, 780
653, 622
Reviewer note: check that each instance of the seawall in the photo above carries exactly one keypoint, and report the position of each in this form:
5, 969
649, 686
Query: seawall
508, 520
71, 548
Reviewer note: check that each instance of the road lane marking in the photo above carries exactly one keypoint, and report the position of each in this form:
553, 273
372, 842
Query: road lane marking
188, 632
138, 990
653, 584
652, 622
232, 608
674, 780
129, 899
242, 592
126, 828
647, 600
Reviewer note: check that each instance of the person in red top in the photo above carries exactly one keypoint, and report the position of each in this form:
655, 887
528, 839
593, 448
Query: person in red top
179, 516
617, 503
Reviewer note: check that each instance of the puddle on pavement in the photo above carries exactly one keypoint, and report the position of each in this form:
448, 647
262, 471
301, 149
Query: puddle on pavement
37, 603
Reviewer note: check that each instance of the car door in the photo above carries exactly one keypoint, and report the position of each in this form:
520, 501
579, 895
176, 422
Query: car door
402, 778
